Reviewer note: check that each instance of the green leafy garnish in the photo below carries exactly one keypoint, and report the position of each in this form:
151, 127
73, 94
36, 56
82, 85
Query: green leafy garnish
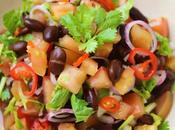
164, 126
102, 93
79, 106
164, 48
18, 123
13, 19
11, 106
92, 27
4, 93
126, 122
60, 96
146, 88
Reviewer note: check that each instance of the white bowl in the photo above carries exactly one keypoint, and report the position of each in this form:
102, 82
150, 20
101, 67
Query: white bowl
151, 8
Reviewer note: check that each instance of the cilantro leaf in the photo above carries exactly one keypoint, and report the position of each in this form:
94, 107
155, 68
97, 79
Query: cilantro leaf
125, 9
59, 98
12, 20
79, 106
164, 126
100, 15
107, 35
164, 48
89, 46
146, 88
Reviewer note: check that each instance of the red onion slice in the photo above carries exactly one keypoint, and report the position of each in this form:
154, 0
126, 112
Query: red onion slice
53, 78
146, 26
107, 119
1, 121
160, 76
63, 115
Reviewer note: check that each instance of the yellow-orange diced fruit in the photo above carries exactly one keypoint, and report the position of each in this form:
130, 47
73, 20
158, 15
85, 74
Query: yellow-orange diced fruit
66, 126
146, 127
71, 56
100, 79
123, 112
70, 44
104, 50
170, 63
141, 38
72, 78
89, 66
136, 102
126, 81
164, 104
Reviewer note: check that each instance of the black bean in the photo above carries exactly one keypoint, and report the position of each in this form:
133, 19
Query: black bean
90, 96
161, 61
57, 61
119, 51
24, 31
62, 31
51, 34
34, 25
115, 70
121, 29
145, 120
135, 14
19, 47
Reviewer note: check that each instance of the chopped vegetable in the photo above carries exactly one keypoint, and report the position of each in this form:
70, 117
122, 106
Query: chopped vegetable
164, 48
21, 72
37, 125
126, 81
100, 79
80, 26
18, 123
79, 106
2, 85
107, 4
164, 126
126, 122
60, 97
140, 68
157, 119
110, 104
11, 106
72, 78
136, 102
80, 60
146, 88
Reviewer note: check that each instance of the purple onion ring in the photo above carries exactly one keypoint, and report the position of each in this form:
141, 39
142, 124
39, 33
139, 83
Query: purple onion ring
146, 26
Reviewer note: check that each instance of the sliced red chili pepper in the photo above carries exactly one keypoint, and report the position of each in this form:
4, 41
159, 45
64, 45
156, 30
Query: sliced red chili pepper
110, 104
21, 72
107, 4
80, 60
140, 68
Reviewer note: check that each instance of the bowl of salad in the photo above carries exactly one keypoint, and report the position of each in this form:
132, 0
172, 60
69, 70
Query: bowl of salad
87, 65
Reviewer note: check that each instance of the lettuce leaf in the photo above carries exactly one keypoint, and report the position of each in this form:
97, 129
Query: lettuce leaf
79, 106
164, 48
164, 126
146, 88
60, 96
11, 106
18, 123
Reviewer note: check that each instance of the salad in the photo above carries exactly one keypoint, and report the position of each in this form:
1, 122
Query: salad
84, 65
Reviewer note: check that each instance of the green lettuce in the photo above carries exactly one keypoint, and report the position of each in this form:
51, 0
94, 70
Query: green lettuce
164, 48
164, 126
81, 111
60, 96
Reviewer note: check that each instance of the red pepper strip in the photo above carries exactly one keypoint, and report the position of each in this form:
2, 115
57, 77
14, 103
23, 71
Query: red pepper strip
110, 104
37, 125
22, 71
80, 60
139, 69
107, 4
